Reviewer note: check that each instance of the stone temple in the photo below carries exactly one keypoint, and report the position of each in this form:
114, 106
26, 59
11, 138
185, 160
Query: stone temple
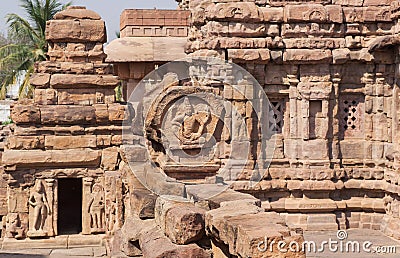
294, 129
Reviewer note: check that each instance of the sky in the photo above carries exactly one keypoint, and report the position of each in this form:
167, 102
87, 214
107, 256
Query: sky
109, 10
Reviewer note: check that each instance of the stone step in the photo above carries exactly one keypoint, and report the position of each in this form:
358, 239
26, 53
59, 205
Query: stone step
58, 242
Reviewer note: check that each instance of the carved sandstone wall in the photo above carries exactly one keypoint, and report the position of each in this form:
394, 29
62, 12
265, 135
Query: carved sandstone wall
71, 129
329, 69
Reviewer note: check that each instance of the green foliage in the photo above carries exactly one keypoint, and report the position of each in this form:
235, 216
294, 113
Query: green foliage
118, 93
28, 43
8, 122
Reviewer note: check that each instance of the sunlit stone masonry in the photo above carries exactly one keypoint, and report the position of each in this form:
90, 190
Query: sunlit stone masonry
60, 162
148, 177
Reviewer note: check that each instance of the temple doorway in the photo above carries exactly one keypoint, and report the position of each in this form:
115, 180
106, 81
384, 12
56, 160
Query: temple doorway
69, 206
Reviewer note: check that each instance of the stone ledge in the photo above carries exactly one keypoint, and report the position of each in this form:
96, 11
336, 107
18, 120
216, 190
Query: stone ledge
52, 158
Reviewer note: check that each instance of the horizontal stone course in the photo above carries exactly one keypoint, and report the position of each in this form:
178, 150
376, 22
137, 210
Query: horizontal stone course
51, 158
76, 31
72, 81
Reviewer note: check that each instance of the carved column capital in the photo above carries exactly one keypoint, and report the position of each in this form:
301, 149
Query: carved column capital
87, 181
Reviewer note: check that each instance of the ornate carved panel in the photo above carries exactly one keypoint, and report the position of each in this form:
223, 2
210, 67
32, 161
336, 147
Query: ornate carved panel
276, 113
351, 113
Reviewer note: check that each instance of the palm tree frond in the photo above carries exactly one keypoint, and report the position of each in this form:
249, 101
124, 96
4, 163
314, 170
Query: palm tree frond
26, 89
28, 42
20, 28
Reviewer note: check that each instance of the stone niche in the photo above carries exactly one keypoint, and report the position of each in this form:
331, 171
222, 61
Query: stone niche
193, 125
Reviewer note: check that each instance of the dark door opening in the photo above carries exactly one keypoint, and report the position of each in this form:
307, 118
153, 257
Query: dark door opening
69, 206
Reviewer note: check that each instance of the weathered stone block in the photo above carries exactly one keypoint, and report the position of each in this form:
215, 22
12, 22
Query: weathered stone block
67, 115
353, 149
243, 12
45, 96
76, 81
87, 96
156, 245
271, 14
101, 111
236, 29
25, 114
217, 195
246, 55
109, 158
179, 219
308, 56
52, 158
142, 203
25, 142
322, 222
309, 205
242, 229
118, 112
70, 142
313, 13
348, 2
300, 30
76, 31
40, 80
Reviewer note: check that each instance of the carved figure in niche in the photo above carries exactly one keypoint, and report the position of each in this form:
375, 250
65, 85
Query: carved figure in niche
13, 227
387, 200
236, 11
316, 16
193, 126
96, 208
41, 208
314, 28
111, 211
239, 128
190, 127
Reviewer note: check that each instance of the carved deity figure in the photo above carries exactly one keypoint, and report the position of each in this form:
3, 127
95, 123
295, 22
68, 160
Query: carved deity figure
41, 208
387, 200
96, 208
190, 126
13, 227
111, 211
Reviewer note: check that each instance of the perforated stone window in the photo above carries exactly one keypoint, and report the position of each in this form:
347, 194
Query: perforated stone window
276, 113
351, 114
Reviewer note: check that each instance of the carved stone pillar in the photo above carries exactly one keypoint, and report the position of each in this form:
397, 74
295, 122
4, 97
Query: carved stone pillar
293, 94
305, 115
87, 185
51, 222
334, 116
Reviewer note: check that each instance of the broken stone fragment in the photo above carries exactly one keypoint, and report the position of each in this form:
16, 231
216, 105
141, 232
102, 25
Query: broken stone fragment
185, 224
179, 219
142, 203
155, 244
